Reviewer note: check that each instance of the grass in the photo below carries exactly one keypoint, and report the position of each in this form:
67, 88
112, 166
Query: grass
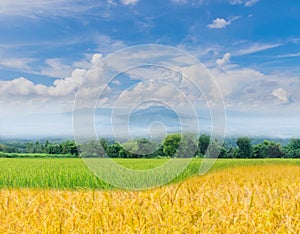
243, 199
73, 173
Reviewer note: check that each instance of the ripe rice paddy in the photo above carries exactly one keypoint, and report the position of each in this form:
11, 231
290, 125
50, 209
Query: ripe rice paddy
243, 199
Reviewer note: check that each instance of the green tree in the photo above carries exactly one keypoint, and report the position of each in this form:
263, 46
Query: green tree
69, 147
275, 150
203, 144
230, 152
188, 146
267, 149
74, 149
104, 143
292, 150
113, 150
91, 149
130, 149
30, 148
216, 149
244, 147
124, 153
37, 147
180, 145
171, 144
54, 149
294, 144
146, 147
46, 148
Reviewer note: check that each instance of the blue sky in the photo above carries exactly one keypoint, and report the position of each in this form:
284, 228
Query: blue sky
252, 48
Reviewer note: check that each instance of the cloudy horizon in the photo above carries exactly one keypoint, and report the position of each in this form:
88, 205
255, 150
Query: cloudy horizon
49, 48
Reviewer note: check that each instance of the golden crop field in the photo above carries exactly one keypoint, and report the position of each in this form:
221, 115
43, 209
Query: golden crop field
250, 199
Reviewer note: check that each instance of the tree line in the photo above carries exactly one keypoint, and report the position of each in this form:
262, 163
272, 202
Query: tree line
37, 147
173, 145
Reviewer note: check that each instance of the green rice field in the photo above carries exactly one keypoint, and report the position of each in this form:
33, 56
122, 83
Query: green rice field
64, 173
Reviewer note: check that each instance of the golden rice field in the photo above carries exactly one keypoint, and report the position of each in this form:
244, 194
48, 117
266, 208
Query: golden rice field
250, 199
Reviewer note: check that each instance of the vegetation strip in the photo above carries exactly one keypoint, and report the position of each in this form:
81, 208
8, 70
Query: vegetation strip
242, 147
73, 174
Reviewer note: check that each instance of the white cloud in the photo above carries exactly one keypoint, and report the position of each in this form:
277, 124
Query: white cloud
129, 2
191, 2
236, 2
32, 8
56, 68
242, 88
156, 92
24, 89
96, 58
257, 47
233, 82
220, 23
246, 89
67, 86
281, 95
180, 1
111, 3
289, 55
250, 3
107, 45
246, 3
21, 87
16, 63
224, 61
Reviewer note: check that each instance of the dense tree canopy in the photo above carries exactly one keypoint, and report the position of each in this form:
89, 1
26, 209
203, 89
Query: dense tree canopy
173, 145
244, 147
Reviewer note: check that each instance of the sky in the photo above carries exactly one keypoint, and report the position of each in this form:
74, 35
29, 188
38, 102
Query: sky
49, 48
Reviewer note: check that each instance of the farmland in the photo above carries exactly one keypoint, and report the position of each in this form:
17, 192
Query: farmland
261, 198
73, 174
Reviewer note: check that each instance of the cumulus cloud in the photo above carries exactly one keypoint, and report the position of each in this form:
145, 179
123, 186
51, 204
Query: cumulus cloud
220, 23
281, 95
67, 86
246, 89
64, 87
96, 58
233, 82
224, 61
147, 73
22, 90
240, 87
21, 87
243, 89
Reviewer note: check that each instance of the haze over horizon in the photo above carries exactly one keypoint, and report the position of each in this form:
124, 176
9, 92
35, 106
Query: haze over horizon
48, 48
